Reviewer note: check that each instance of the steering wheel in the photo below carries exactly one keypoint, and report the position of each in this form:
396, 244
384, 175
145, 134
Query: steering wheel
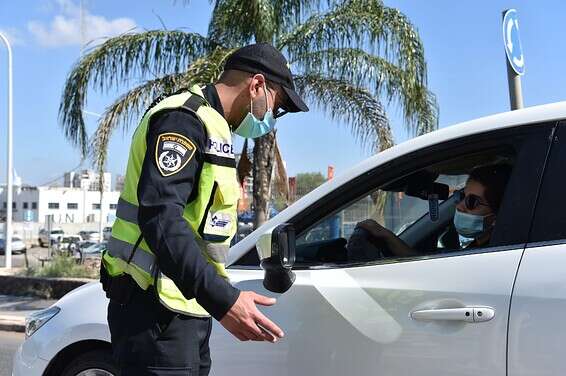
362, 247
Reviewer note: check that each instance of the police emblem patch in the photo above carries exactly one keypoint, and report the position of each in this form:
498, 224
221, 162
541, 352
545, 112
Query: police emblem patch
172, 152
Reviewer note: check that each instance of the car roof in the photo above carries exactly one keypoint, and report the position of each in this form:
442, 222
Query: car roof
510, 119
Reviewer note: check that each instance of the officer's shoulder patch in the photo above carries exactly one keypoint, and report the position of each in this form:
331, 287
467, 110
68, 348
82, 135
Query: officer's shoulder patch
172, 152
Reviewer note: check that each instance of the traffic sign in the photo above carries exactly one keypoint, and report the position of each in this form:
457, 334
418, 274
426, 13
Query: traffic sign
512, 42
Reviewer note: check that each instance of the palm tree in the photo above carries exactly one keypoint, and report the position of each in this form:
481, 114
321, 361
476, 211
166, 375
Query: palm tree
351, 59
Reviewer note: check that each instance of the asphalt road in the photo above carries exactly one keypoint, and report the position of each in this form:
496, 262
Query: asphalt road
9, 342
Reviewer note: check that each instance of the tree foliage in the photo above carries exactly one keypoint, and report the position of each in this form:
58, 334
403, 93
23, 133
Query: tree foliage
352, 60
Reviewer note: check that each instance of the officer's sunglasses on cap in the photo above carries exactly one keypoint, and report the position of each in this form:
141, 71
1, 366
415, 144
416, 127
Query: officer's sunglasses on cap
471, 201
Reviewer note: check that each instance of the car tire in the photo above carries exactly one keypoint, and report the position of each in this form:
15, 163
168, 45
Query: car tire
41, 244
92, 363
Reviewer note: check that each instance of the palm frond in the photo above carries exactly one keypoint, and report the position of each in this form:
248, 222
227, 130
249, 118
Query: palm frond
129, 108
289, 13
111, 64
363, 24
351, 104
239, 22
208, 68
381, 77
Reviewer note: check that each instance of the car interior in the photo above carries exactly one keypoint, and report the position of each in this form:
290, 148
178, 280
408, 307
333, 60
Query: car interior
432, 189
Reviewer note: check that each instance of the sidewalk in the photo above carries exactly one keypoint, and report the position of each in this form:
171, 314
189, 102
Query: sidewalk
14, 309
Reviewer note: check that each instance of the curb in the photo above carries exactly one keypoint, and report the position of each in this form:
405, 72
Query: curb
45, 288
12, 324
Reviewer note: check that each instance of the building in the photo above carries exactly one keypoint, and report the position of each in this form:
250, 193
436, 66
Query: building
65, 204
87, 179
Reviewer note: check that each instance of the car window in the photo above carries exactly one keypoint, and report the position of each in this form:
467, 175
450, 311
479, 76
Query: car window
396, 196
333, 239
402, 208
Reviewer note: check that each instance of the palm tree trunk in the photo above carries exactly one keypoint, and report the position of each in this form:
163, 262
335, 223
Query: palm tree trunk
264, 152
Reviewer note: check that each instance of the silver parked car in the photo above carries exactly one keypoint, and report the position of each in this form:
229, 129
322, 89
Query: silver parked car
18, 245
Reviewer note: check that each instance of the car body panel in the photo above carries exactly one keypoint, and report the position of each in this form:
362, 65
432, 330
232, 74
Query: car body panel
537, 329
339, 321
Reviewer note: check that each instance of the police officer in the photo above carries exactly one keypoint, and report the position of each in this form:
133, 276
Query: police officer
164, 267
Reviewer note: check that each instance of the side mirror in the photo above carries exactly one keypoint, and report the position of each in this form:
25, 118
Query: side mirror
276, 251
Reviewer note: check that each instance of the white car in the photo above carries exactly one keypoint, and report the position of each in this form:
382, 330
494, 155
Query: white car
90, 235
492, 311
18, 245
45, 237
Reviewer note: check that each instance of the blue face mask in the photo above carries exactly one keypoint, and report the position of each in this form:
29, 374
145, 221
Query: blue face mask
251, 127
469, 225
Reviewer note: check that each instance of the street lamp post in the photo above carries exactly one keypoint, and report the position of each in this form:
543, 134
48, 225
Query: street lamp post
8, 234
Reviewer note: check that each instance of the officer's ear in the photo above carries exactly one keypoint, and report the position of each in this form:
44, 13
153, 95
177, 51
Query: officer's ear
256, 86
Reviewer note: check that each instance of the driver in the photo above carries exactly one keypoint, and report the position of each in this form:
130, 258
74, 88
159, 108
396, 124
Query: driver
476, 211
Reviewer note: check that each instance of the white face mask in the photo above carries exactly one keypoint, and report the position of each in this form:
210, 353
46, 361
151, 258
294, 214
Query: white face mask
251, 127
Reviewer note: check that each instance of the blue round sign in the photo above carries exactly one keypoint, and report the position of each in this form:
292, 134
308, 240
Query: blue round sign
512, 42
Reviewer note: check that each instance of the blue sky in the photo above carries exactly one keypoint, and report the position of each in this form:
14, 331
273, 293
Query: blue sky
463, 48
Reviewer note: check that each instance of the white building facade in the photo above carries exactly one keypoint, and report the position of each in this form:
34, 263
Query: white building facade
66, 205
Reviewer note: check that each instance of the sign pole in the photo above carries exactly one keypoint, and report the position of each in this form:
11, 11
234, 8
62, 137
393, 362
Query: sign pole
9, 184
514, 57
515, 89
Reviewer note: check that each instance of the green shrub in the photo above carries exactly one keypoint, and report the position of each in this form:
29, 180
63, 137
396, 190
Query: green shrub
61, 266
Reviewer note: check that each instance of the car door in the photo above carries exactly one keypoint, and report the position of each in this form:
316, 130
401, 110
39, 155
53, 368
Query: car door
537, 329
424, 315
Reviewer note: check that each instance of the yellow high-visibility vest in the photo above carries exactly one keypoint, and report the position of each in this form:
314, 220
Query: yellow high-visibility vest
211, 215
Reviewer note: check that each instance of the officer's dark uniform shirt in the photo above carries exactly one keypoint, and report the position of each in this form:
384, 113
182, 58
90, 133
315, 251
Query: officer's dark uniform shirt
161, 203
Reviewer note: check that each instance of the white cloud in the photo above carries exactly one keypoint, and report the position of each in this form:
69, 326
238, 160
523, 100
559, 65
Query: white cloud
65, 28
14, 36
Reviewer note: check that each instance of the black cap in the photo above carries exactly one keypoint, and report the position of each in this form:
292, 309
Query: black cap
265, 59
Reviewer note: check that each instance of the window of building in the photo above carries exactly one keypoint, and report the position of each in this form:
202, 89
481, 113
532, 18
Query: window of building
4, 205
34, 205
113, 206
25, 205
95, 206
72, 205
13, 205
53, 205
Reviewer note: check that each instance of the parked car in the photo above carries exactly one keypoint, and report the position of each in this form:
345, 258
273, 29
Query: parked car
85, 244
69, 243
18, 246
90, 235
448, 310
94, 250
46, 238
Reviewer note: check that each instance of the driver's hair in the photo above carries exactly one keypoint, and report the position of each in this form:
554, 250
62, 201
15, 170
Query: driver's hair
494, 178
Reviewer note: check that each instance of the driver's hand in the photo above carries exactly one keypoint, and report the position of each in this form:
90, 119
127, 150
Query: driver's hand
375, 229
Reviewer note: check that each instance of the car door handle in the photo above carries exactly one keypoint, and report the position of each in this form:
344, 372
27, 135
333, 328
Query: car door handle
466, 314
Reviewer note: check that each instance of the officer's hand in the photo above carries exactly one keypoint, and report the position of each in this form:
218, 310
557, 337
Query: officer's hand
243, 318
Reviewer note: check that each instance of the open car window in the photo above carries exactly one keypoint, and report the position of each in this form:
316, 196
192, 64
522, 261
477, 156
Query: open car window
418, 207
395, 195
